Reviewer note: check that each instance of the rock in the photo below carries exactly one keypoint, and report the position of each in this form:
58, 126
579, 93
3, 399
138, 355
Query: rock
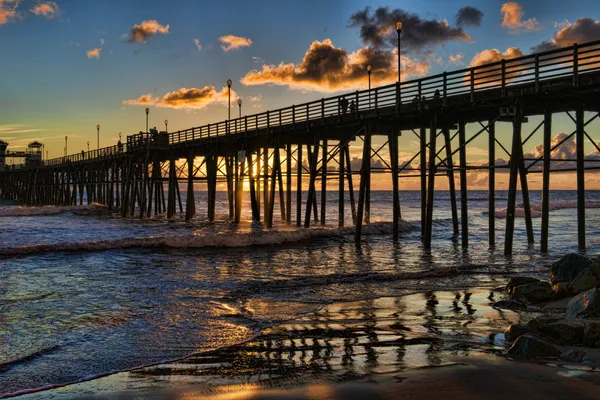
535, 292
561, 289
574, 355
591, 335
585, 305
515, 330
568, 267
565, 331
537, 323
531, 346
518, 281
510, 305
586, 280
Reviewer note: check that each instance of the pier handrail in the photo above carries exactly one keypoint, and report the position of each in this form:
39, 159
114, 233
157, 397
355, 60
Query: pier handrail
505, 74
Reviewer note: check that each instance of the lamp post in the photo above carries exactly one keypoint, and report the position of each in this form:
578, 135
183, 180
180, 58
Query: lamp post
66, 138
369, 68
167, 125
98, 138
88, 143
399, 31
120, 135
240, 106
147, 112
229, 82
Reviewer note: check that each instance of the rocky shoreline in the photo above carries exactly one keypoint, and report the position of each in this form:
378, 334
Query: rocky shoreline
567, 327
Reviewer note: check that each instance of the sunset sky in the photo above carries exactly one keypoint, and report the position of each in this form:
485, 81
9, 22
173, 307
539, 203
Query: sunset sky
69, 65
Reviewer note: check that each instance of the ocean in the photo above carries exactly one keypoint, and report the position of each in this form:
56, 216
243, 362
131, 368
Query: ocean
84, 293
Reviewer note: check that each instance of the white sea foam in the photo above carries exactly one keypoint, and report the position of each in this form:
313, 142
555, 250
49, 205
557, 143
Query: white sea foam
21, 211
241, 239
536, 208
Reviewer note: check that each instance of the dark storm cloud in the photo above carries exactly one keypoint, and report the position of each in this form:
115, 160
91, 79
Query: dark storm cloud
377, 28
469, 16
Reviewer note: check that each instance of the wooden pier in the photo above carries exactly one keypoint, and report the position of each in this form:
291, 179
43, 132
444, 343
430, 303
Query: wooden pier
266, 151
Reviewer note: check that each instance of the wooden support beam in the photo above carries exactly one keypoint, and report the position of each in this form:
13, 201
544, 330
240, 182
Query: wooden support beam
350, 185
299, 172
451, 181
341, 185
431, 183
423, 166
190, 203
393, 149
492, 184
579, 139
288, 183
364, 176
171, 194
546, 180
239, 189
253, 188
464, 210
512, 184
229, 178
324, 182
313, 157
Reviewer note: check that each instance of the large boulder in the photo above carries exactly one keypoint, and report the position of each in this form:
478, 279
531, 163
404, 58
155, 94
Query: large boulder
591, 335
535, 292
538, 322
513, 332
531, 346
510, 305
565, 331
573, 355
518, 281
585, 305
586, 280
568, 267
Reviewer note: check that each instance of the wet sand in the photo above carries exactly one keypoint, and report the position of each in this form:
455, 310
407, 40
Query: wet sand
446, 344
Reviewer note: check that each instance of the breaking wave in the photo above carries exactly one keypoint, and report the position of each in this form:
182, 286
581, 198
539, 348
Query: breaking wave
21, 211
536, 208
191, 241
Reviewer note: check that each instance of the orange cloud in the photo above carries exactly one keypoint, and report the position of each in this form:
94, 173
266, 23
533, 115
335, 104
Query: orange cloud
7, 13
582, 31
328, 68
49, 9
513, 18
492, 75
231, 42
191, 99
197, 44
145, 31
94, 53
457, 58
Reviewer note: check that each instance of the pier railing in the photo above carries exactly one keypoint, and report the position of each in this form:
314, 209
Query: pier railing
535, 70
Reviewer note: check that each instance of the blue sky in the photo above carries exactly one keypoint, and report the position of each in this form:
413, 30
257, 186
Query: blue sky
50, 87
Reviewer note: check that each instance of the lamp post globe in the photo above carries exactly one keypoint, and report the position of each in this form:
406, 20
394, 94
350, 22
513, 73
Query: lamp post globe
240, 106
98, 137
166, 125
147, 112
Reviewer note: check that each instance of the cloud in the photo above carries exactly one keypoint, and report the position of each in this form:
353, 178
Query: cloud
377, 29
191, 99
512, 18
255, 99
145, 31
257, 60
328, 68
197, 44
491, 56
231, 42
48, 10
457, 58
93, 53
581, 31
8, 10
101, 42
469, 16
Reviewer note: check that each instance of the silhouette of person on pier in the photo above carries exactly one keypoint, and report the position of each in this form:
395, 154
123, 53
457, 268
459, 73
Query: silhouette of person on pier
82, 155
352, 107
344, 104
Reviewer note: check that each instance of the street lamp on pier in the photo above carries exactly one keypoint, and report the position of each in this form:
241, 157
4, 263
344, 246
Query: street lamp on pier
369, 68
98, 137
229, 82
147, 112
240, 106
66, 138
167, 125
399, 31
88, 143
